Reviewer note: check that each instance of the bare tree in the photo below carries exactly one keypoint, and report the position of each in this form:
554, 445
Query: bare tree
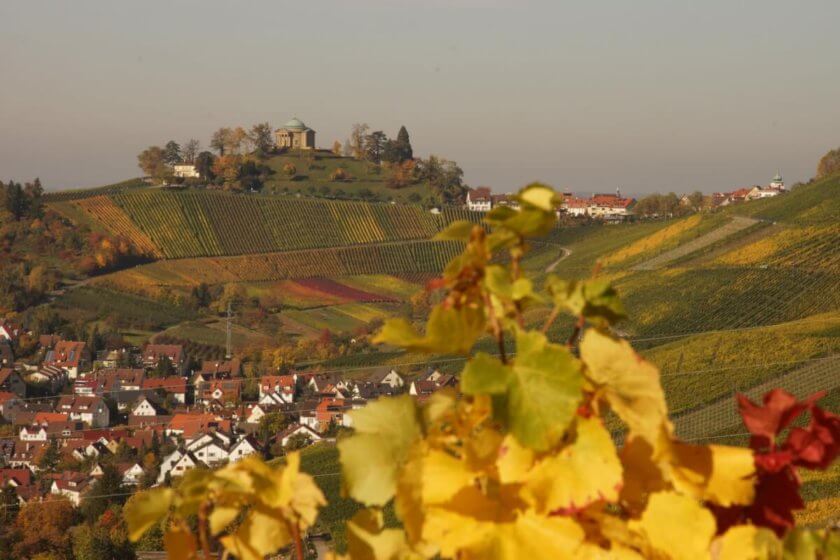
190, 150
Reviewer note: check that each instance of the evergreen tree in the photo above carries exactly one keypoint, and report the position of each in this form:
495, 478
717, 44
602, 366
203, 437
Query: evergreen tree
51, 456
403, 145
15, 200
172, 153
204, 165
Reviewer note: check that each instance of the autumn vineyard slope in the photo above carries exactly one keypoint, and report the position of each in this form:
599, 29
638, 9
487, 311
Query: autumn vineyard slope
519, 462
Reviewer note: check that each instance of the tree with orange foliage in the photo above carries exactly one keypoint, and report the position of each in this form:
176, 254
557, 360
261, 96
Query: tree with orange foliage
42, 527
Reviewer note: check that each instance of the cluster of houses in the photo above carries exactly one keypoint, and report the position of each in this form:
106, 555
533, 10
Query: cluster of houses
614, 207
775, 188
607, 207
88, 411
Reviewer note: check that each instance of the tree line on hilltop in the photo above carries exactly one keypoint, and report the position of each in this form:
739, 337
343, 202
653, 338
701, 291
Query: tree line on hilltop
236, 161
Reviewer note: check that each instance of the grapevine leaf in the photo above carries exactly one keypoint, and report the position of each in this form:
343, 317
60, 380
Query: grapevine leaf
459, 230
531, 536
595, 299
676, 526
642, 473
514, 462
443, 477
581, 473
630, 384
485, 375
221, 517
539, 196
371, 457
263, 532
366, 539
715, 473
145, 509
180, 543
765, 422
747, 542
544, 393
449, 330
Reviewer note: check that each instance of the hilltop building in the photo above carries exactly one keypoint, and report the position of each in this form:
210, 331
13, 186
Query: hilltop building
295, 134
775, 188
186, 170
479, 199
609, 207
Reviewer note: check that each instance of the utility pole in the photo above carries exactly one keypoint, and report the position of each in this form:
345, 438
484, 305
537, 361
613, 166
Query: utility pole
228, 334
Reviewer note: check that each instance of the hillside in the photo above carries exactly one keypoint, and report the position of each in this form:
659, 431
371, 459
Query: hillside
314, 176
199, 223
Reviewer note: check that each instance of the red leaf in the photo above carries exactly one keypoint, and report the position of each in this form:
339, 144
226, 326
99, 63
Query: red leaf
779, 410
819, 445
776, 498
773, 462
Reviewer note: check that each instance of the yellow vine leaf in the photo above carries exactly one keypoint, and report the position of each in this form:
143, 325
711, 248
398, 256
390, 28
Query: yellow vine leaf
372, 456
676, 526
367, 540
630, 384
581, 473
514, 462
448, 330
145, 509
715, 473
261, 533
747, 542
443, 476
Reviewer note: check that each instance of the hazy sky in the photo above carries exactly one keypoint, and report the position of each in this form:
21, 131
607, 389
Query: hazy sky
594, 95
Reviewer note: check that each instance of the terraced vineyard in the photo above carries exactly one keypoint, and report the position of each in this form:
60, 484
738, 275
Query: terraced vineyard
205, 223
112, 217
391, 258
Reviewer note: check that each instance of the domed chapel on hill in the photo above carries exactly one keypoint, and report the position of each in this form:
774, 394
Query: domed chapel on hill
295, 134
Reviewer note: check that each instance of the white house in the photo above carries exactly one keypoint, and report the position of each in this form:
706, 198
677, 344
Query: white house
144, 407
275, 399
242, 449
71, 487
393, 380
297, 429
131, 473
33, 433
479, 200
168, 463
186, 170
186, 462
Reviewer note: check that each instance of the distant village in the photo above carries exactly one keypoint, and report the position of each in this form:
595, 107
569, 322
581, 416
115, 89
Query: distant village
615, 208
142, 412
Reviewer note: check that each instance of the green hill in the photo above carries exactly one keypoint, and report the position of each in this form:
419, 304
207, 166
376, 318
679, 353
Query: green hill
817, 202
314, 177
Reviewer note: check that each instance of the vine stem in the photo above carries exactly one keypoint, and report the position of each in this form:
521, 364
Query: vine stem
202, 530
497, 327
578, 327
298, 541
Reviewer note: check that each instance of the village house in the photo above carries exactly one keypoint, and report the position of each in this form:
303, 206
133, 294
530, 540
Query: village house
71, 356
173, 386
9, 330
7, 355
71, 485
144, 406
296, 135
9, 405
296, 430
11, 381
225, 391
479, 199
27, 455
91, 410
154, 353
246, 446
185, 170
87, 386
607, 207
52, 378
